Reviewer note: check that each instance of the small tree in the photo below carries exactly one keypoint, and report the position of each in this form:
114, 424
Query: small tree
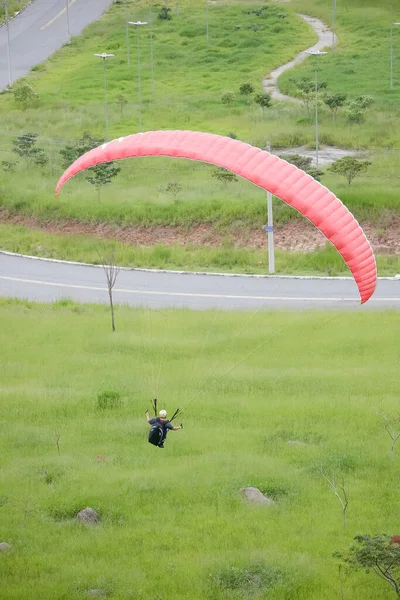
122, 101
303, 163
228, 97
393, 430
101, 174
340, 493
25, 147
8, 166
173, 188
264, 100
356, 109
306, 91
224, 176
25, 96
376, 554
349, 167
355, 113
364, 102
334, 101
164, 13
109, 263
246, 89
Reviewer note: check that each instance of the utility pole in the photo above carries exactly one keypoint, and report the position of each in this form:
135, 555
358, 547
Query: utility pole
151, 52
139, 24
270, 228
391, 44
104, 56
333, 24
316, 53
10, 79
207, 20
68, 28
127, 34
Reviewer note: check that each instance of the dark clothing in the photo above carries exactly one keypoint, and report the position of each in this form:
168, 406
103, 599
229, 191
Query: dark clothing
164, 425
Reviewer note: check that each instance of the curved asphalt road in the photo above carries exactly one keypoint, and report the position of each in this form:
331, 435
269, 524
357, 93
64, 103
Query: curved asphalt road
41, 29
47, 281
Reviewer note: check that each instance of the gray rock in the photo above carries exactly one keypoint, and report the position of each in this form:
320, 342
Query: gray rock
96, 592
88, 515
4, 547
254, 496
296, 443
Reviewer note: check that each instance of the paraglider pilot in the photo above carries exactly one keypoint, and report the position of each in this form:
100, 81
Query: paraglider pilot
159, 428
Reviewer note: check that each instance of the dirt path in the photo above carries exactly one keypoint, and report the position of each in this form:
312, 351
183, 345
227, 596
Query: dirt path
270, 84
298, 234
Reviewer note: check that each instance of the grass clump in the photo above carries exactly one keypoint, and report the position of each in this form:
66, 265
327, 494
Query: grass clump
249, 581
108, 399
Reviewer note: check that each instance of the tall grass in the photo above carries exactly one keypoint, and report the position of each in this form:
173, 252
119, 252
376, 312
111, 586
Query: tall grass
173, 524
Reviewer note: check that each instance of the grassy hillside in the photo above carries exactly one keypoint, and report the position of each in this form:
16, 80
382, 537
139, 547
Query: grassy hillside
173, 525
245, 44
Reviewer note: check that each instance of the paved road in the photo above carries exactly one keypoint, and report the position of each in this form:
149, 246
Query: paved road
41, 29
46, 281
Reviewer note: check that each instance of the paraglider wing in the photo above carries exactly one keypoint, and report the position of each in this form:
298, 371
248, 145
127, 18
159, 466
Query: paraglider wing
265, 170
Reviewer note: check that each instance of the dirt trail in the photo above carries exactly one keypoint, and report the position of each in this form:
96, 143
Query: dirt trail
270, 84
298, 234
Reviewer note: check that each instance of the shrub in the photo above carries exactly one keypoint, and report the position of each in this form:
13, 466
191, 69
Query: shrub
228, 97
246, 89
165, 14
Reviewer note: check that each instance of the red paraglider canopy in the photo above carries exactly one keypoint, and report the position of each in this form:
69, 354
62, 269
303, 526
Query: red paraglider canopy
269, 172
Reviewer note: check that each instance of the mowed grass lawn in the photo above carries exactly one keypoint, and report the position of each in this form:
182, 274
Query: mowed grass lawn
173, 525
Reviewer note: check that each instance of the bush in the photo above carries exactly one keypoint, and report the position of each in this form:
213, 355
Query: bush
165, 14
228, 97
108, 399
246, 89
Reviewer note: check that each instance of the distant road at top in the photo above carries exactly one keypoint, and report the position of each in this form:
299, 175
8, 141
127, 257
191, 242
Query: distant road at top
41, 29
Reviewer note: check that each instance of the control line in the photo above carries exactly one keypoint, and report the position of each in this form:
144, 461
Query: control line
187, 294
60, 14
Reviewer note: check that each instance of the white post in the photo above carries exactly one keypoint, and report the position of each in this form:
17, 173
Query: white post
316, 111
10, 80
391, 44
207, 20
333, 23
68, 28
270, 229
151, 53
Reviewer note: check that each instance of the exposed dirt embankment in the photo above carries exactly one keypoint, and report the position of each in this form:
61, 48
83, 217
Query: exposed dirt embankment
296, 235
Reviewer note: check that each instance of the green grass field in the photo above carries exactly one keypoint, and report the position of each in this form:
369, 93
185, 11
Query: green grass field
173, 525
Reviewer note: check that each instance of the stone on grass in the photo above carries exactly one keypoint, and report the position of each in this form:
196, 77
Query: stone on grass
254, 496
88, 515
296, 443
4, 547
96, 592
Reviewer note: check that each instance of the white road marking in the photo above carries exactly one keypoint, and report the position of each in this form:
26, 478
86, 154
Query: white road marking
190, 294
63, 11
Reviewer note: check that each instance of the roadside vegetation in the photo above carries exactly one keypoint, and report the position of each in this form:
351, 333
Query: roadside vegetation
14, 6
214, 86
190, 257
174, 526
